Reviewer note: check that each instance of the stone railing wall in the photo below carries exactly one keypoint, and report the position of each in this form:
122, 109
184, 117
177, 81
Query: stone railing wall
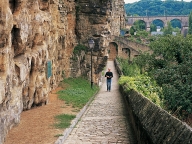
118, 68
152, 124
36, 44
37, 40
130, 49
134, 45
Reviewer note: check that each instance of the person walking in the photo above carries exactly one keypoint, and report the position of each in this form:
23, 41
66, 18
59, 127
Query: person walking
109, 75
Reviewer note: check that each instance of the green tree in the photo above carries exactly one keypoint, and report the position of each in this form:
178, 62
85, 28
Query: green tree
190, 23
177, 30
168, 30
139, 25
170, 65
132, 30
153, 28
159, 8
128, 14
142, 33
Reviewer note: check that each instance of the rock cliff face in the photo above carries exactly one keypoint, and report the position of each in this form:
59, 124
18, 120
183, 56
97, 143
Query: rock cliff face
100, 20
36, 48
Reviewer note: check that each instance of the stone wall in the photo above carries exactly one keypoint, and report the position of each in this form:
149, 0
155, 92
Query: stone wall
154, 125
100, 20
130, 49
35, 33
151, 124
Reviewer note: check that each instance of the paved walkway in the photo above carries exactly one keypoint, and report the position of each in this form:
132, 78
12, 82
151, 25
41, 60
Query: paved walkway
104, 122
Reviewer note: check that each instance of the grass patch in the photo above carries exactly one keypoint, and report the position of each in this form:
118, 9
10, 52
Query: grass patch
58, 135
78, 92
63, 120
75, 110
79, 48
103, 71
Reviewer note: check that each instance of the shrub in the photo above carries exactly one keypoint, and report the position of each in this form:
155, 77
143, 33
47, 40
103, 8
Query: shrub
79, 48
145, 86
128, 69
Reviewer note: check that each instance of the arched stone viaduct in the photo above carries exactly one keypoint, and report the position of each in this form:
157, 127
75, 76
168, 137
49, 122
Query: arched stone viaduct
126, 48
149, 20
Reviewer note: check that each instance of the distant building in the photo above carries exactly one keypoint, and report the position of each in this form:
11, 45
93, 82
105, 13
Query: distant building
174, 33
158, 28
161, 33
124, 32
156, 33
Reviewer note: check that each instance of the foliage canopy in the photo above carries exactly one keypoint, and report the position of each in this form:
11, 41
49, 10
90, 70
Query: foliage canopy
170, 65
158, 8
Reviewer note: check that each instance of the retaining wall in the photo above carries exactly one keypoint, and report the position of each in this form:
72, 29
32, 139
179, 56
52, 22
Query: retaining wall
152, 124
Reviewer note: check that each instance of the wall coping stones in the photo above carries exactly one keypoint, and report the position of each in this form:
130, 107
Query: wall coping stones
158, 125
151, 123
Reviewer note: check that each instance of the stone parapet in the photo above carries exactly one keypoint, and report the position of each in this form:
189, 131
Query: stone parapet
153, 124
118, 68
37, 40
130, 49
32, 34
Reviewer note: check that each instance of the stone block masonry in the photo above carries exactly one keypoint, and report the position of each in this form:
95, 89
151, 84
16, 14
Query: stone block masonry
153, 124
31, 34
35, 32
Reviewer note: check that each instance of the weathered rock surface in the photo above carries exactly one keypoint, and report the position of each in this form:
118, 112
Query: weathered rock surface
100, 20
37, 32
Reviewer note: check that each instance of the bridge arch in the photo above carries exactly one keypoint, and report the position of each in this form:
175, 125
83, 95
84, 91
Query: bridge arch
112, 50
158, 22
144, 26
126, 52
129, 49
176, 23
148, 20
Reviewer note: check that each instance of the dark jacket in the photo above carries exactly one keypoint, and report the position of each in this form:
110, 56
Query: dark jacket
109, 75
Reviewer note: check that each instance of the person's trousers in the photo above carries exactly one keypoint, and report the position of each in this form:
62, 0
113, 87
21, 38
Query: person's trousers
108, 84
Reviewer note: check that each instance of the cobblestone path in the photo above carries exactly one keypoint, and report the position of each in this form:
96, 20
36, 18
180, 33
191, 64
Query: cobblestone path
105, 121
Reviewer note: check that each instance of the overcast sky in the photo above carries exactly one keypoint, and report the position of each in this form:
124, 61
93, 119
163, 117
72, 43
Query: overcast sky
131, 1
